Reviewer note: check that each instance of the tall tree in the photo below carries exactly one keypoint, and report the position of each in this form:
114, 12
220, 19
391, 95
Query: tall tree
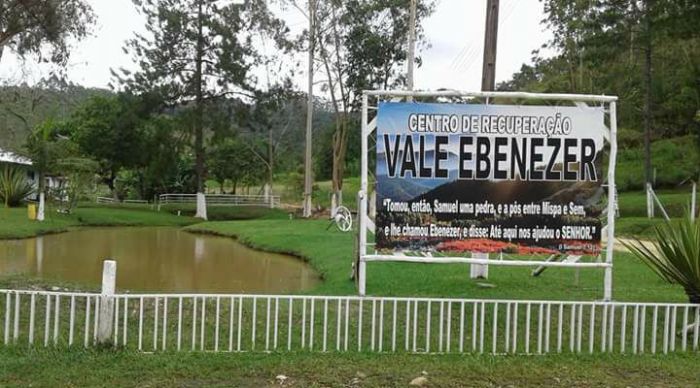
198, 51
233, 160
645, 51
108, 129
47, 145
363, 45
27, 27
268, 122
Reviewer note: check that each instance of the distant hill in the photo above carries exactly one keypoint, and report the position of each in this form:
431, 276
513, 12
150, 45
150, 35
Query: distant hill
22, 107
399, 190
506, 192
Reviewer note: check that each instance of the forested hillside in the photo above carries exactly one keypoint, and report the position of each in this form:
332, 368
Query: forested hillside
23, 107
648, 54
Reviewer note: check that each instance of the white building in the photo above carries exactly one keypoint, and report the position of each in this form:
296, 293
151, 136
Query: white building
11, 158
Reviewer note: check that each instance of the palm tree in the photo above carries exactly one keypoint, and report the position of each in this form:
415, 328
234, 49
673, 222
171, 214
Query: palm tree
46, 145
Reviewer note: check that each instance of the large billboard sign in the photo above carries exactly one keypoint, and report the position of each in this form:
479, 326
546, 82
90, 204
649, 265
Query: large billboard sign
489, 178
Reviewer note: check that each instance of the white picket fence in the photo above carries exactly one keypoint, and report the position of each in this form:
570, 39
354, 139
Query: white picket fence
108, 200
222, 199
213, 322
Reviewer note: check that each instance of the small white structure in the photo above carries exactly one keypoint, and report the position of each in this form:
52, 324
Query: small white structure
50, 182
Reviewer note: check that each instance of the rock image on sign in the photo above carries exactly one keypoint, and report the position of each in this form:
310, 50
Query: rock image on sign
489, 178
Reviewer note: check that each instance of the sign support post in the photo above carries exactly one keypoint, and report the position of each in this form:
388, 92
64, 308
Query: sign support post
612, 198
362, 270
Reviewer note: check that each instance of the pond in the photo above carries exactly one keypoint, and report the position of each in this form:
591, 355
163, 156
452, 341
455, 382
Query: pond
159, 259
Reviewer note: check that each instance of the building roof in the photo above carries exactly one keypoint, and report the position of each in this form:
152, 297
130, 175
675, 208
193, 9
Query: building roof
11, 157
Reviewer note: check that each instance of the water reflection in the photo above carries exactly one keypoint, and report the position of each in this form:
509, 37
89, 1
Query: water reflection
39, 244
156, 259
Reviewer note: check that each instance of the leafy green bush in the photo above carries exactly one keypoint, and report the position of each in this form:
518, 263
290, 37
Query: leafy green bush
675, 255
629, 138
14, 186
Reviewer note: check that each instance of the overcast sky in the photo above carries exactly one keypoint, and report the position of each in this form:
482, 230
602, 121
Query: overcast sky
455, 33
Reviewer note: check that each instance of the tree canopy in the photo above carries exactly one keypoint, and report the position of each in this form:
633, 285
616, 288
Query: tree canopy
43, 27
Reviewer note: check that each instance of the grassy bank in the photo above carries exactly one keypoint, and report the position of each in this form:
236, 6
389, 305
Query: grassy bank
633, 211
330, 252
15, 224
634, 203
223, 212
121, 368
290, 189
674, 160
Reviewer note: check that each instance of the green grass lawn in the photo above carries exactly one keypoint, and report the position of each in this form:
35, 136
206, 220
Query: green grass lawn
330, 252
21, 367
639, 227
674, 160
15, 224
223, 212
634, 203
290, 196
633, 221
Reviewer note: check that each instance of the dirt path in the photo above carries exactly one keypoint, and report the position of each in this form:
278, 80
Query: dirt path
621, 248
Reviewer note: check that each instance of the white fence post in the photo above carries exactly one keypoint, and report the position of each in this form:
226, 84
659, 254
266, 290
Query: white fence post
106, 317
479, 271
650, 202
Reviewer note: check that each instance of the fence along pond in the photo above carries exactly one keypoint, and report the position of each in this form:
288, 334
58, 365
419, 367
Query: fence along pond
235, 323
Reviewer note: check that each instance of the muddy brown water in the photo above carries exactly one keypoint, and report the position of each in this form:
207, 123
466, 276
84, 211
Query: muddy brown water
158, 259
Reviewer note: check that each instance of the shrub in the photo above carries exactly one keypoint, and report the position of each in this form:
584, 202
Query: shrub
14, 186
675, 255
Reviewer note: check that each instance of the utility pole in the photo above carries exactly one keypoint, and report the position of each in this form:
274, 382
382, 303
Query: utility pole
411, 45
488, 73
308, 170
648, 177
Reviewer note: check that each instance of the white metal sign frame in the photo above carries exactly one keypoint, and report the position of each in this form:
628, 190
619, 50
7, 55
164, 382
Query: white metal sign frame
366, 223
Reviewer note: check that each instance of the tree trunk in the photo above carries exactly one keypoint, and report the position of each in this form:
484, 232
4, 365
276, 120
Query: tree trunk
110, 184
308, 166
271, 164
42, 197
41, 185
340, 143
693, 295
